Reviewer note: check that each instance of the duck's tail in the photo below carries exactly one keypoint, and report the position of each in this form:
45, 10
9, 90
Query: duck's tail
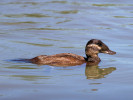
21, 60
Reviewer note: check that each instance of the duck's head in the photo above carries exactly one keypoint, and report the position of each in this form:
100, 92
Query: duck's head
94, 46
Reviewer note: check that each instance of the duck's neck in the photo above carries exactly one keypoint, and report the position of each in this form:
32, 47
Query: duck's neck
91, 52
92, 58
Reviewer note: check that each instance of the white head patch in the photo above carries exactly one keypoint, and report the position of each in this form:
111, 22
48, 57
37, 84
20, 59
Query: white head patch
94, 45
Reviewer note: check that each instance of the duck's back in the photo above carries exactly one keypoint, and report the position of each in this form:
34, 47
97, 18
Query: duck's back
63, 59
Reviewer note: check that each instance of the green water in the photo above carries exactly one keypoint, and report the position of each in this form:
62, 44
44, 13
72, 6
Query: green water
29, 28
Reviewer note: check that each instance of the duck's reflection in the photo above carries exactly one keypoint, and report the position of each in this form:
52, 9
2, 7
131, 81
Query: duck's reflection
94, 72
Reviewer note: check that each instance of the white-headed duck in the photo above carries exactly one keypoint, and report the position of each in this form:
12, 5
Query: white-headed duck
93, 47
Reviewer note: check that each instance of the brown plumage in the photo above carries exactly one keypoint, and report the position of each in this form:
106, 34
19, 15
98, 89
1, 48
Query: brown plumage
93, 47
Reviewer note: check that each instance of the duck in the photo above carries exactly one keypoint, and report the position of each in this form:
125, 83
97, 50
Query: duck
92, 49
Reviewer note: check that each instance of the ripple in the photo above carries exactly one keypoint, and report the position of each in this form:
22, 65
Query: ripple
14, 3
52, 29
52, 39
31, 77
68, 12
122, 17
34, 44
107, 5
26, 15
21, 67
17, 23
58, 2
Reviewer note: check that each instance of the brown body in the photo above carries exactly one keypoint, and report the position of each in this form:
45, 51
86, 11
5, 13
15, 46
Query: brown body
93, 47
63, 59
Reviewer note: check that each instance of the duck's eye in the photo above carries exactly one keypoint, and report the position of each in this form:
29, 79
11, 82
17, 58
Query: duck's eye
99, 44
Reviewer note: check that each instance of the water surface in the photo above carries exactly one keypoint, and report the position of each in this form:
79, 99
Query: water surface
36, 27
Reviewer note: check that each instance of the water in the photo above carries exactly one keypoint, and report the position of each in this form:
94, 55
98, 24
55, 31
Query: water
35, 27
